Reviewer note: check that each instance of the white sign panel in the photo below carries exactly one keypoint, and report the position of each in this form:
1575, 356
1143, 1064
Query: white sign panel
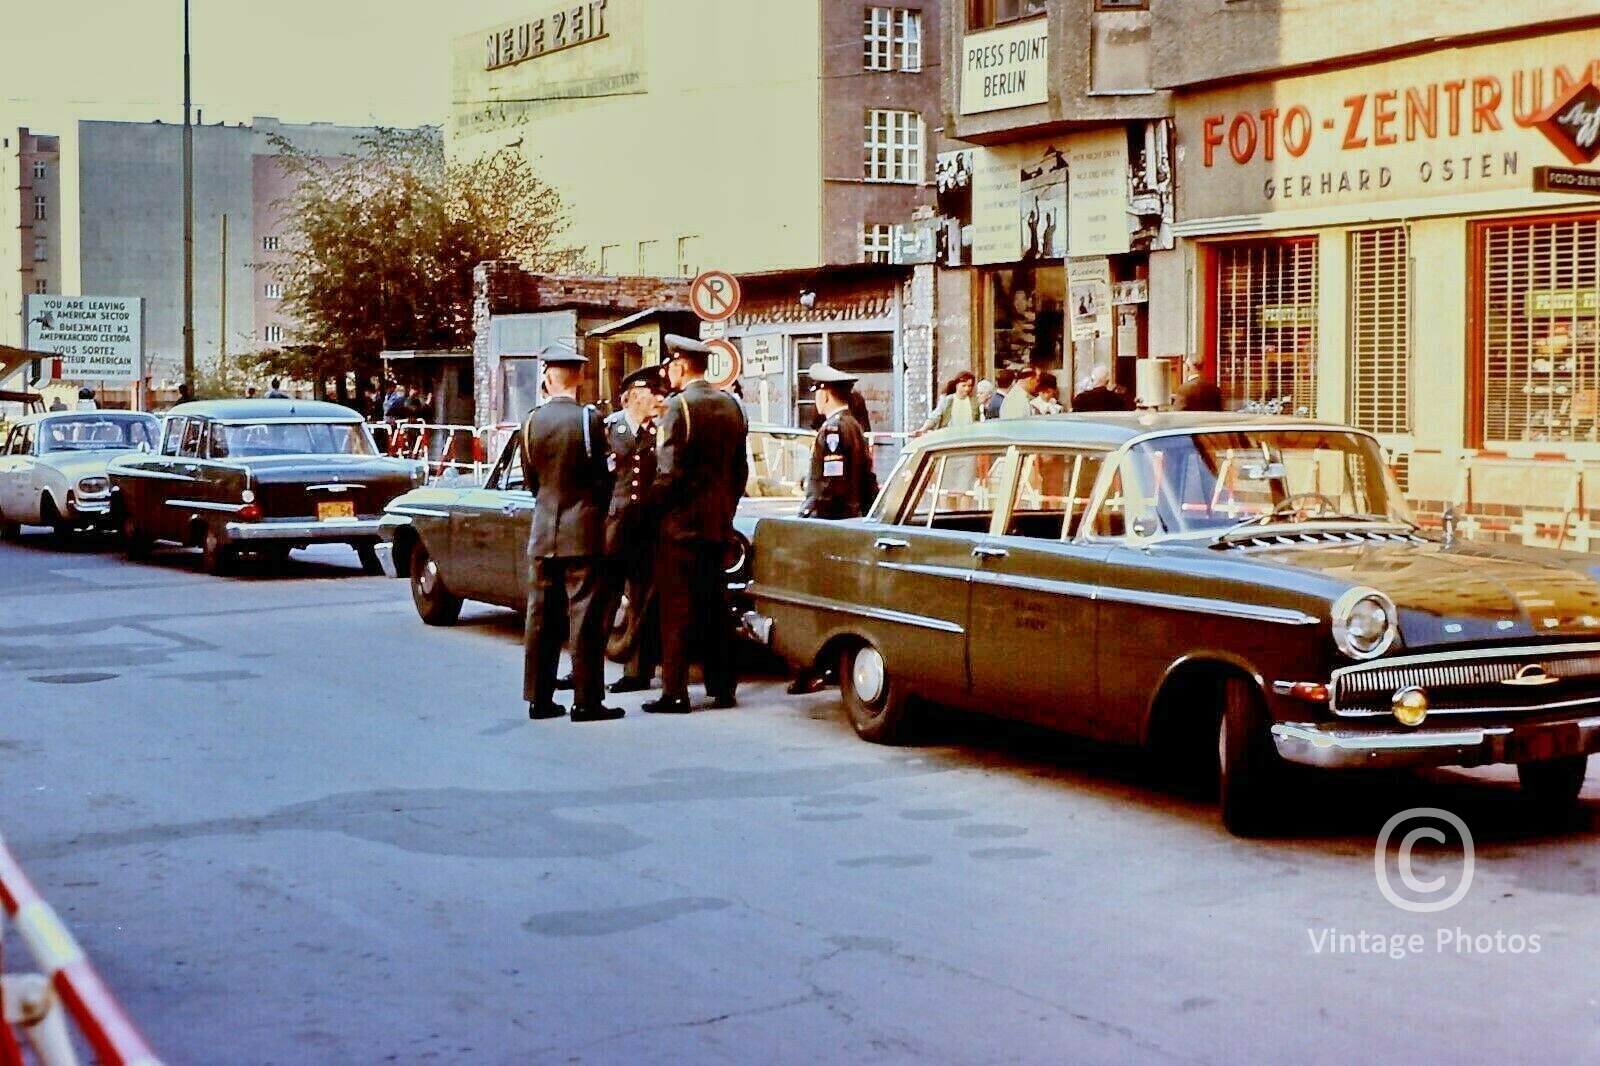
763, 354
1006, 67
1098, 200
99, 338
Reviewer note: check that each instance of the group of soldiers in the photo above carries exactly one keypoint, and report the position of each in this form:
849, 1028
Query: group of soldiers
638, 505
638, 509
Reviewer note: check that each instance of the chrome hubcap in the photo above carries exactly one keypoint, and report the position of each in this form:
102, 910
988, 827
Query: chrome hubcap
1222, 744
867, 675
430, 575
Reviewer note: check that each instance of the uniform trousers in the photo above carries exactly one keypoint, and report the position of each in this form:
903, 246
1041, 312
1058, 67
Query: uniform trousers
693, 591
633, 575
565, 601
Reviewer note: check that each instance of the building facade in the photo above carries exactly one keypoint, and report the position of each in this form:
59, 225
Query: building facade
769, 140
30, 224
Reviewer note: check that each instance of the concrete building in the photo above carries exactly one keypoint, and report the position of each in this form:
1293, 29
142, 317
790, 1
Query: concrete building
30, 224
1335, 207
130, 220
768, 140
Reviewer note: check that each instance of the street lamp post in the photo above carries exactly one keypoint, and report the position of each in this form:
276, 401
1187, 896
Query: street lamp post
188, 220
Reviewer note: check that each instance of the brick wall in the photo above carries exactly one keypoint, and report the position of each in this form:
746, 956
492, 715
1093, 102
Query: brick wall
918, 320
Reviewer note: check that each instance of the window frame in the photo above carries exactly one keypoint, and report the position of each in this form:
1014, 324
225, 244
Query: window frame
40, 170
982, 14
933, 466
191, 449
907, 137
41, 249
872, 249
272, 333
1080, 454
41, 207
271, 244
172, 434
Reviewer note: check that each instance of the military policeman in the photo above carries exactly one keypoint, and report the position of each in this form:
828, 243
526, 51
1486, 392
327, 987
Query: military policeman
701, 468
630, 536
841, 483
565, 466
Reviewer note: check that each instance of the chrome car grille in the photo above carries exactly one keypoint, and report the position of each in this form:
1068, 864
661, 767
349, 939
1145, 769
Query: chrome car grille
1513, 679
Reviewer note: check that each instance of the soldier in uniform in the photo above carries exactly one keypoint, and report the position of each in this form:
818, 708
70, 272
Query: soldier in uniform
701, 466
630, 536
564, 464
841, 483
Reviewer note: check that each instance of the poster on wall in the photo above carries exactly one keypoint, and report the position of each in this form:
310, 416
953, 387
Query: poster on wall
1150, 196
1042, 207
996, 190
1099, 193
952, 183
1029, 324
1089, 298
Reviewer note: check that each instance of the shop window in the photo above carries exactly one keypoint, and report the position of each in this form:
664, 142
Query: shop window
1265, 339
1029, 324
982, 14
1537, 343
1380, 329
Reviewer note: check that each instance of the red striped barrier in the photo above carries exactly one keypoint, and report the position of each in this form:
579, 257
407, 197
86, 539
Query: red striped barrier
99, 1017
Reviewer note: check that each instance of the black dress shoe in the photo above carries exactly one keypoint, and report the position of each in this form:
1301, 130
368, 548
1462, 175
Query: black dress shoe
722, 701
804, 684
549, 710
629, 684
668, 705
564, 683
596, 714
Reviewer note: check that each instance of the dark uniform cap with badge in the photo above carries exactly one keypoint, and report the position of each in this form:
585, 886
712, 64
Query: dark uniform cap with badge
651, 377
697, 353
562, 355
839, 383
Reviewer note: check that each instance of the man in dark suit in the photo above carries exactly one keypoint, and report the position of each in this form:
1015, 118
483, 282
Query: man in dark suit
701, 466
1197, 393
630, 536
1100, 396
841, 483
564, 464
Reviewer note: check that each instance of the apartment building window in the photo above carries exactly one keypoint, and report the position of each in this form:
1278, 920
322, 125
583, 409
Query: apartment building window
271, 244
877, 241
41, 249
272, 334
893, 146
40, 210
611, 259
649, 257
893, 39
41, 285
274, 290
981, 14
38, 170
688, 256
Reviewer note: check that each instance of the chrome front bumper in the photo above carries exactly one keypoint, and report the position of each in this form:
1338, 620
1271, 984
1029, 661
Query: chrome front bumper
1333, 748
92, 510
385, 553
302, 531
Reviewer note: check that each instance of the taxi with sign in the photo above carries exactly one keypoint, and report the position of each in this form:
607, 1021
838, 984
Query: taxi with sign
1245, 594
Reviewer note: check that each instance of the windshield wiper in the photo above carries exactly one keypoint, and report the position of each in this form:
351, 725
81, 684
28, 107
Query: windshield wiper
1260, 521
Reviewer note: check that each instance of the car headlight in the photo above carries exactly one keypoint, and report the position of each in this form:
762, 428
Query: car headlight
93, 486
1365, 623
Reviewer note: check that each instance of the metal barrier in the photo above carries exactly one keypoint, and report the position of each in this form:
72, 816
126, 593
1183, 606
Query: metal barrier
447, 448
31, 1002
1571, 515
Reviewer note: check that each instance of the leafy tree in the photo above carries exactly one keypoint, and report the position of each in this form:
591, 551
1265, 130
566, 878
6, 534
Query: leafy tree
380, 247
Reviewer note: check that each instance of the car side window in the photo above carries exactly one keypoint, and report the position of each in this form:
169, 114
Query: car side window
192, 434
1052, 495
1111, 520
173, 434
957, 490
219, 442
507, 473
25, 446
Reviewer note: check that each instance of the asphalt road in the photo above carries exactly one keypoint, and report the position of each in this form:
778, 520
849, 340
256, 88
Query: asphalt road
291, 824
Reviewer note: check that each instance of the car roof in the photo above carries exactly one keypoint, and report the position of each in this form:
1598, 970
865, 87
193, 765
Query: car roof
1109, 429
52, 416
265, 410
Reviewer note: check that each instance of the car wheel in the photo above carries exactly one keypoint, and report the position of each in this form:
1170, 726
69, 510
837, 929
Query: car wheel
873, 698
60, 528
136, 544
1251, 771
369, 559
436, 604
9, 530
216, 557
1553, 784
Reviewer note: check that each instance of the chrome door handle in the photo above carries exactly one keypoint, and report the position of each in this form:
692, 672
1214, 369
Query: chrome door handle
885, 544
508, 508
984, 551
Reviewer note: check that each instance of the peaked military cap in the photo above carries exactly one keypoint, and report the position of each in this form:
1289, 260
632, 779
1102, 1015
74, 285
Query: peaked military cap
562, 355
676, 342
823, 374
649, 376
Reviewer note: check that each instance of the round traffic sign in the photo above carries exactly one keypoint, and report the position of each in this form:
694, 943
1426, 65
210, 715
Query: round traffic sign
724, 364
714, 295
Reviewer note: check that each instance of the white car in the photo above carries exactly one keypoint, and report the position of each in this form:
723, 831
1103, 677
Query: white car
53, 467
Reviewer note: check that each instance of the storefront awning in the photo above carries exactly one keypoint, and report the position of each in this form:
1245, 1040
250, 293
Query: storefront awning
14, 359
624, 323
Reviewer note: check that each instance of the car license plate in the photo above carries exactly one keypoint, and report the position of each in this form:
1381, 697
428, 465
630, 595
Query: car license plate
336, 511
1547, 742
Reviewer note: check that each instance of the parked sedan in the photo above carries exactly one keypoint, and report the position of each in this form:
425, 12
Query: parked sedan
457, 543
1254, 589
53, 467
262, 476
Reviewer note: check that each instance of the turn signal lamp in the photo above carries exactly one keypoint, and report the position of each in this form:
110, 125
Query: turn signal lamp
1410, 706
250, 512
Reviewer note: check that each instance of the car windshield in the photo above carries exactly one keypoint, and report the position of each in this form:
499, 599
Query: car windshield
87, 433
290, 438
1215, 482
779, 462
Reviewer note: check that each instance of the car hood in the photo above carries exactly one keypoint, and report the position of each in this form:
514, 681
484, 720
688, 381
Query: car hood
288, 469
1466, 593
75, 465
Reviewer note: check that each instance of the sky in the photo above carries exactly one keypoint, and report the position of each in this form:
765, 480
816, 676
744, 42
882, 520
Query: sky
353, 62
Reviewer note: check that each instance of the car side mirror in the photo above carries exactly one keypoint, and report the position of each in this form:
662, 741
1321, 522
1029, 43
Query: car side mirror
1147, 525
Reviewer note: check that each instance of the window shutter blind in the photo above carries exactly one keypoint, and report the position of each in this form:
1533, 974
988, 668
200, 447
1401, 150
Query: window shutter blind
1380, 329
1266, 343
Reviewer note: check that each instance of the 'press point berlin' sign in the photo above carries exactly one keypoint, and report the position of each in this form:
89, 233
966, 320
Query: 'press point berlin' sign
99, 338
